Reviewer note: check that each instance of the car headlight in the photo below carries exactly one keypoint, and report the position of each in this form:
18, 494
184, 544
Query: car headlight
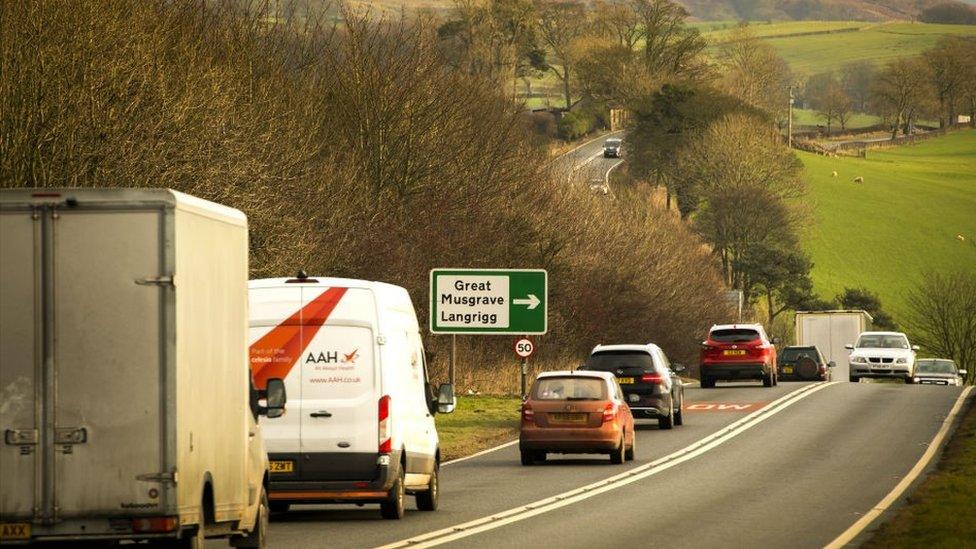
858, 360
915, 379
901, 361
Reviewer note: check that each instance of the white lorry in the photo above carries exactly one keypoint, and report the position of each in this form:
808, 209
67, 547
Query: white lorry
126, 406
362, 423
830, 332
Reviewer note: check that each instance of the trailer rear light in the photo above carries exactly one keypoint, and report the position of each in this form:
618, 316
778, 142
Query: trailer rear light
527, 413
155, 524
609, 412
46, 195
654, 378
386, 444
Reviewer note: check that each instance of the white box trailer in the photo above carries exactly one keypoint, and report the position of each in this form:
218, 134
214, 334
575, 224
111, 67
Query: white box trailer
829, 331
126, 404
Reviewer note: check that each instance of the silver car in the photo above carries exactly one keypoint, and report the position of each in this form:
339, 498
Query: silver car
882, 355
938, 371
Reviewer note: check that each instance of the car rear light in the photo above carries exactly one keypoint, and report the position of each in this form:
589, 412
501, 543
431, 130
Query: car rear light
386, 444
155, 524
654, 378
609, 412
527, 413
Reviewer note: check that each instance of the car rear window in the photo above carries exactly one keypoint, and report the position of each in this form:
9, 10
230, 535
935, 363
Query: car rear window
734, 335
626, 363
793, 355
570, 388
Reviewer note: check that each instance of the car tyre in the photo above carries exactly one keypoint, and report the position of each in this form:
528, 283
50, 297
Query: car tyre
768, 379
427, 500
257, 538
629, 454
667, 422
617, 455
707, 383
854, 379
528, 458
909, 381
392, 507
679, 416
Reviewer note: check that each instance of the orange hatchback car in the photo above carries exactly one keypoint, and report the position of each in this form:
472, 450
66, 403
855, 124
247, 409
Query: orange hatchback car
581, 412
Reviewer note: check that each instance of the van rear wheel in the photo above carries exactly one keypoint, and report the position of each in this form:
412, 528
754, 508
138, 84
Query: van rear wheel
427, 500
392, 507
258, 537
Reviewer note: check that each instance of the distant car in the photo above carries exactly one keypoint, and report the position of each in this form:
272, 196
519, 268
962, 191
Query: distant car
577, 412
882, 355
938, 371
650, 382
798, 363
738, 351
612, 147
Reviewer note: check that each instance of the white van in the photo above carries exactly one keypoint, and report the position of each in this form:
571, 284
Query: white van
360, 427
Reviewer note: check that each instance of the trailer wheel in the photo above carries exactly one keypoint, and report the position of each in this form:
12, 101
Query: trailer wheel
195, 540
257, 538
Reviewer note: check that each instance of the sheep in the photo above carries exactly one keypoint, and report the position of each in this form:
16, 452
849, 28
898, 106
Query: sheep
833, 173
960, 238
859, 179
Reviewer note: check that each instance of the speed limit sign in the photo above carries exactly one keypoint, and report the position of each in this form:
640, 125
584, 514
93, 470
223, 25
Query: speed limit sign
524, 347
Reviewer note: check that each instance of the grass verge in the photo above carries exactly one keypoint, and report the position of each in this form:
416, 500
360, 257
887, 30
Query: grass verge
479, 422
941, 512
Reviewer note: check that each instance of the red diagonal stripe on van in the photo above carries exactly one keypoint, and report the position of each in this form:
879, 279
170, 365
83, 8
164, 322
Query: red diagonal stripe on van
277, 351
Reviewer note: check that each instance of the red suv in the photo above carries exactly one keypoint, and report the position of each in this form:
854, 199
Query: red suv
738, 351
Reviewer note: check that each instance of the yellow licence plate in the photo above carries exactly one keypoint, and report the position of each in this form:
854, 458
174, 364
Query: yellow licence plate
569, 417
282, 466
734, 352
625, 380
787, 369
15, 530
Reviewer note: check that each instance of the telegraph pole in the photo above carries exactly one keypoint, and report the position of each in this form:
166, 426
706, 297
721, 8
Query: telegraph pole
789, 138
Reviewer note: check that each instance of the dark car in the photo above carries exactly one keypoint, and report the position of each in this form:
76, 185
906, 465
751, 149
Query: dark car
735, 352
612, 147
803, 364
650, 382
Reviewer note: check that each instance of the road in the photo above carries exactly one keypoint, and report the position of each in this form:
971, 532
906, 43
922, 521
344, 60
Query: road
585, 164
788, 466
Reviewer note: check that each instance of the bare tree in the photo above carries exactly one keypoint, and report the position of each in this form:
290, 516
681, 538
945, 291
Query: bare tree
561, 26
942, 317
671, 48
949, 67
751, 70
856, 79
901, 91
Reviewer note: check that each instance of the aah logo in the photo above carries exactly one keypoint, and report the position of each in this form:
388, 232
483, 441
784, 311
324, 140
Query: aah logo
331, 357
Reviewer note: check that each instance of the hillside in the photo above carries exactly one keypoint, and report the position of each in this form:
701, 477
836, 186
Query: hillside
901, 223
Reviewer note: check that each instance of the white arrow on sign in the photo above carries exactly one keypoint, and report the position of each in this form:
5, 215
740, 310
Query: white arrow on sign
532, 301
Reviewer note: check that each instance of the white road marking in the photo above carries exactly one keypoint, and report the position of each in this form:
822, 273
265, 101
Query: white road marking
594, 140
900, 488
696, 449
481, 453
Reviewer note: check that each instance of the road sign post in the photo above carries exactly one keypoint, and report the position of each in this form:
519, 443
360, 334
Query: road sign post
524, 348
488, 301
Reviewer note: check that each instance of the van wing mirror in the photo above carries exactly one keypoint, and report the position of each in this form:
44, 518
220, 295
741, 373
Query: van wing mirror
831, 364
776, 341
963, 373
849, 346
678, 367
446, 401
275, 397
916, 348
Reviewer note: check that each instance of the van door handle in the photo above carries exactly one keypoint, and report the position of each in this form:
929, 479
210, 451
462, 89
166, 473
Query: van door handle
321, 413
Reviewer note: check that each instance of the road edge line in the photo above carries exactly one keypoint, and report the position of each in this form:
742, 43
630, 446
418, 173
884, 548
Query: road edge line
934, 447
522, 512
585, 143
481, 453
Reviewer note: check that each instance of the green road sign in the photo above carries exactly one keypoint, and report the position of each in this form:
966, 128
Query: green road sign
488, 301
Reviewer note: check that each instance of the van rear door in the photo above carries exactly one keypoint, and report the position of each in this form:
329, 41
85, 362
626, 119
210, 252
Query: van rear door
83, 316
340, 397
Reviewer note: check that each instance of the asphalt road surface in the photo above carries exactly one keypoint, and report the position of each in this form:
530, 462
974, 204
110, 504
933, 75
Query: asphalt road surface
789, 466
586, 165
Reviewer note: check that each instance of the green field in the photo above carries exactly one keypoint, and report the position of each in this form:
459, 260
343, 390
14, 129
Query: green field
717, 32
878, 43
479, 422
887, 233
